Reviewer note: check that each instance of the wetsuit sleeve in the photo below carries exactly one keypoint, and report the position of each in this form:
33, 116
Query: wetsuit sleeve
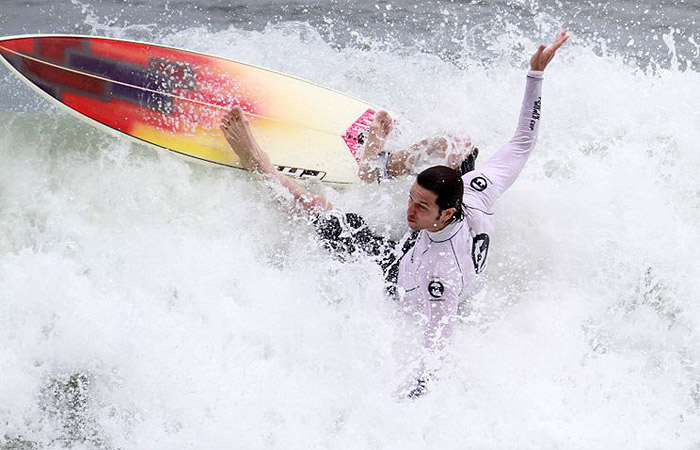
347, 235
490, 180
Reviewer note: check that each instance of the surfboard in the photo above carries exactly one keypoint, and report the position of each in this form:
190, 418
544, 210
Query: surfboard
175, 99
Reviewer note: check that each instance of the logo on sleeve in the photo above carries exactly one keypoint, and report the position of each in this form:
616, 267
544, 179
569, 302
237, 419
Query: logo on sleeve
535, 113
479, 184
436, 289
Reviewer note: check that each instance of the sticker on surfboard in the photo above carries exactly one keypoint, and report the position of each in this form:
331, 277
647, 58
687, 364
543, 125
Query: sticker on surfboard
356, 134
175, 99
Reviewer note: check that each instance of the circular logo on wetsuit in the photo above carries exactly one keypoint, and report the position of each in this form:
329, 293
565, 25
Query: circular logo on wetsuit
479, 184
436, 289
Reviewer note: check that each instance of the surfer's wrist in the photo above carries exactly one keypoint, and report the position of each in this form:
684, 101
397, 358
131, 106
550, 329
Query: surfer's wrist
369, 172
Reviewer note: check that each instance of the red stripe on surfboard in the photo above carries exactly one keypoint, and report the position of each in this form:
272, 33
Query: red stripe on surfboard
64, 79
128, 52
356, 134
185, 119
54, 49
25, 45
121, 116
141, 54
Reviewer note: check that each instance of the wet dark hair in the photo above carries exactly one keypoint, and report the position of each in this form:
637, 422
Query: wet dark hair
447, 184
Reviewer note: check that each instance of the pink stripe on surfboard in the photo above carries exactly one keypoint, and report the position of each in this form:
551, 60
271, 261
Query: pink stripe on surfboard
356, 134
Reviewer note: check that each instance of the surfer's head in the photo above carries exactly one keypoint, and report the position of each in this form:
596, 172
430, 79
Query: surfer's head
435, 199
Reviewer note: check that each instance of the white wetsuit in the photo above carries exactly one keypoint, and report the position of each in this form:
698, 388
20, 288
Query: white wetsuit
441, 267
437, 269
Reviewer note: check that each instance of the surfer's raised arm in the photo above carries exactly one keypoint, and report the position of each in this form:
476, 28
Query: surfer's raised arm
451, 149
485, 185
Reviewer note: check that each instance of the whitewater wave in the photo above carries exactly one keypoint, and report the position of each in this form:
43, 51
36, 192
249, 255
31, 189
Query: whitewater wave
148, 302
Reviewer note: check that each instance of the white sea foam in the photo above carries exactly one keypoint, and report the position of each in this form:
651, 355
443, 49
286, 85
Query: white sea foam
199, 315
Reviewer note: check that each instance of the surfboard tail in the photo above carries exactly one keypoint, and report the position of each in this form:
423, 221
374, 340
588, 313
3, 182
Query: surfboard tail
356, 135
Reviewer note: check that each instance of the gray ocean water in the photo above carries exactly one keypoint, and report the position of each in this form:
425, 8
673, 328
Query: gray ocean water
650, 34
150, 303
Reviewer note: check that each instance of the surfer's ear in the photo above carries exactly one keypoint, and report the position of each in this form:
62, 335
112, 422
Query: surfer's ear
447, 215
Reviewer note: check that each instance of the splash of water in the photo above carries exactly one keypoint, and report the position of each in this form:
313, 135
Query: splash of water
149, 302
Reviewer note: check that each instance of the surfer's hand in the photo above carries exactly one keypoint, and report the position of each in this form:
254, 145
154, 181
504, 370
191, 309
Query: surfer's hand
377, 133
545, 53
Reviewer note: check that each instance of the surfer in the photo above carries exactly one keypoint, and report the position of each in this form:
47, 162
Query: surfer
450, 217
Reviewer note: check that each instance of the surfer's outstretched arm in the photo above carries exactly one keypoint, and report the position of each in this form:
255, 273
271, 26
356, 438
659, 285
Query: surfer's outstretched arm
376, 164
254, 159
448, 149
499, 172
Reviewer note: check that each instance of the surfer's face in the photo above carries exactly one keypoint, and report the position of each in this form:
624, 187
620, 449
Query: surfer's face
423, 212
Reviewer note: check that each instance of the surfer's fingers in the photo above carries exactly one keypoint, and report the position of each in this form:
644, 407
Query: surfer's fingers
388, 124
233, 113
237, 114
384, 123
562, 37
550, 51
537, 62
545, 53
383, 116
226, 120
539, 51
233, 116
